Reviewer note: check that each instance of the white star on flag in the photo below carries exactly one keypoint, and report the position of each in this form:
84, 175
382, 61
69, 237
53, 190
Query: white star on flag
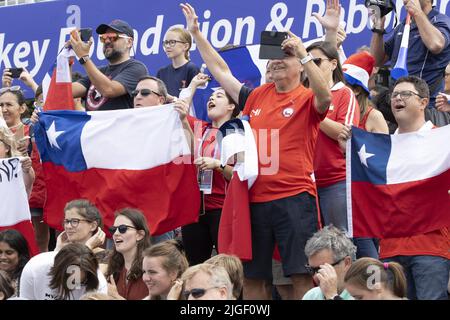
52, 135
363, 155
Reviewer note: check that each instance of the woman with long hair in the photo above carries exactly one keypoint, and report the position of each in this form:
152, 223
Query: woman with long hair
200, 238
371, 279
131, 237
14, 255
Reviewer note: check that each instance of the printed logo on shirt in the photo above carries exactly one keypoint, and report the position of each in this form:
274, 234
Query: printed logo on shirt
255, 113
287, 112
331, 108
94, 99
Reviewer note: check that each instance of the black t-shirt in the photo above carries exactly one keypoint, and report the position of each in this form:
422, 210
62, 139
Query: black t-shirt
127, 73
177, 79
244, 93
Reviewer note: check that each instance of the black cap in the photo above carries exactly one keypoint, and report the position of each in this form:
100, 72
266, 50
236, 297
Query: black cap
117, 25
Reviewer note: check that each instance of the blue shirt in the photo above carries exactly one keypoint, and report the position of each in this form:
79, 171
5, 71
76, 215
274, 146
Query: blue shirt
421, 62
179, 78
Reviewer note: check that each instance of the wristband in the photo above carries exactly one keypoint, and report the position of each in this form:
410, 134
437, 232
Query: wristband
379, 31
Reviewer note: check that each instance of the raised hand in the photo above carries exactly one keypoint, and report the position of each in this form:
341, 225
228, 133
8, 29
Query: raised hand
96, 240
182, 107
293, 46
7, 78
330, 21
191, 17
199, 80
80, 47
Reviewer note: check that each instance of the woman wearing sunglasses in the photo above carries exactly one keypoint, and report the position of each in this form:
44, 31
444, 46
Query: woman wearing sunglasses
12, 105
131, 237
163, 265
8, 150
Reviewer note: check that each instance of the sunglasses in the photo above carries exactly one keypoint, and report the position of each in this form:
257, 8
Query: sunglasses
196, 292
112, 37
122, 228
144, 93
12, 89
313, 270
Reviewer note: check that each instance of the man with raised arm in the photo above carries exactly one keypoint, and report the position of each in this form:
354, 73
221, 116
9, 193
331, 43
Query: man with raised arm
285, 117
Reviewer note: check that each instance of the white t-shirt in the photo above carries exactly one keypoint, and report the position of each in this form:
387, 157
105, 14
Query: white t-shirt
34, 282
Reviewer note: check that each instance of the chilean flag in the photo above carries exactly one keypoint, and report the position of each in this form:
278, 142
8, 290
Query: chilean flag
236, 140
14, 210
398, 185
136, 158
245, 66
57, 90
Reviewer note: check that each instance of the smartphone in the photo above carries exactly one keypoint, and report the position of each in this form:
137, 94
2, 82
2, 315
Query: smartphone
85, 34
15, 72
270, 45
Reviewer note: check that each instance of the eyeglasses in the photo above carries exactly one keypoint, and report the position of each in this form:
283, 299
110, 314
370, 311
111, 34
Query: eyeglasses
12, 89
122, 228
144, 93
318, 61
196, 292
404, 95
171, 43
313, 270
73, 222
112, 37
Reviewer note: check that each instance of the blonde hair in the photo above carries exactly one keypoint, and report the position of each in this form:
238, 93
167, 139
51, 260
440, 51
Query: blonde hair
185, 37
234, 268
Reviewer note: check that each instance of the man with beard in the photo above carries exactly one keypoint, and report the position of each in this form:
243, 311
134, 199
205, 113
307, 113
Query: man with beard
108, 87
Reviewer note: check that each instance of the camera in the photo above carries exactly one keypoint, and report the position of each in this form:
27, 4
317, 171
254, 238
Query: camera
385, 6
15, 72
85, 34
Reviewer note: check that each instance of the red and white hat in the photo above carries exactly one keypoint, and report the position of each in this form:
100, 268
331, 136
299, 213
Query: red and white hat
358, 68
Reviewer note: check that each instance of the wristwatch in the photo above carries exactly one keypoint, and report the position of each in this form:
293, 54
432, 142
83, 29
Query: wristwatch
84, 59
306, 59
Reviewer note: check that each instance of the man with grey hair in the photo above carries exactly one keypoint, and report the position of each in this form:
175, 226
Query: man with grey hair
330, 253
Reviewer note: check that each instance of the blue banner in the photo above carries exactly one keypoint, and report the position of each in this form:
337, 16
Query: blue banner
32, 35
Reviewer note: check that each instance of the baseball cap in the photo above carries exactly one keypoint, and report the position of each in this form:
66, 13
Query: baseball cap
117, 25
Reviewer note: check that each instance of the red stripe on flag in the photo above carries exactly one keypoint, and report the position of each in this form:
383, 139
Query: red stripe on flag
168, 195
401, 210
235, 234
27, 230
59, 95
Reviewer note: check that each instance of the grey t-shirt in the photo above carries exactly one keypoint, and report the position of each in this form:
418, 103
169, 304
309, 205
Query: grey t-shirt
127, 73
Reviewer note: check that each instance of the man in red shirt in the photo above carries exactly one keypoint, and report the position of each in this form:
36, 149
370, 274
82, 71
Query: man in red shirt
424, 257
285, 116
